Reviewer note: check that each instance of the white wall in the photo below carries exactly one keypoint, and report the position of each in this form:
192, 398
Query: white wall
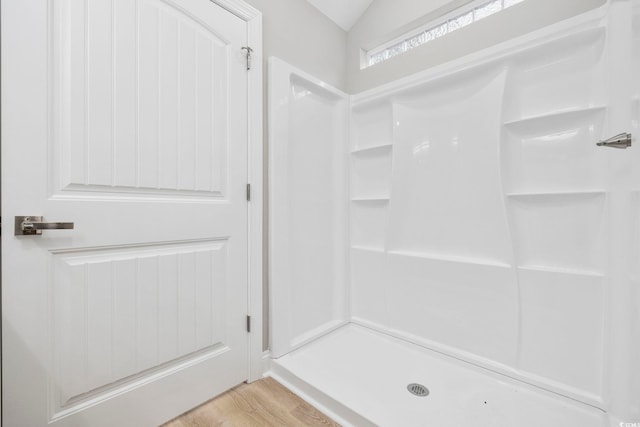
386, 19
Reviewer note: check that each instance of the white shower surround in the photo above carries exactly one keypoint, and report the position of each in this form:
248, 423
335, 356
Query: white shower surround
484, 222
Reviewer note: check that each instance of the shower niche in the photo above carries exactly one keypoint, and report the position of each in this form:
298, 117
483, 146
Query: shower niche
478, 220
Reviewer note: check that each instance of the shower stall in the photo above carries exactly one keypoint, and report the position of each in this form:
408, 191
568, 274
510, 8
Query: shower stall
461, 229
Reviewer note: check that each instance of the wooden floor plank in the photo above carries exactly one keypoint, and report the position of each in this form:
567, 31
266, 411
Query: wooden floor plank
262, 403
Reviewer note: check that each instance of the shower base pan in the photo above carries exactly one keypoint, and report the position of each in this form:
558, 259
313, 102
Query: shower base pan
361, 377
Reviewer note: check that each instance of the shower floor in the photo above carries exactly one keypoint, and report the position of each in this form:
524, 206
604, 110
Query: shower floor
359, 377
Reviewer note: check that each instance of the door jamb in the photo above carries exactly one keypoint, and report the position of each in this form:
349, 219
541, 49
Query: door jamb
253, 18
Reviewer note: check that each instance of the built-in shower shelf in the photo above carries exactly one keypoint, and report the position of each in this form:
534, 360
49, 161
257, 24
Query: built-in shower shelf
544, 120
371, 173
368, 248
560, 270
451, 258
533, 195
370, 199
374, 149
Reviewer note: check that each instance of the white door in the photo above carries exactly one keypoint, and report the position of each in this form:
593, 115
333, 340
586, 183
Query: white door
129, 119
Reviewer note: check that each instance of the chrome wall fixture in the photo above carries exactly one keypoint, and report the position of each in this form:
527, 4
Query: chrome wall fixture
622, 140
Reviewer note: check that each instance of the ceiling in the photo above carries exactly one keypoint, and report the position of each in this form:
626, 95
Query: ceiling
345, 13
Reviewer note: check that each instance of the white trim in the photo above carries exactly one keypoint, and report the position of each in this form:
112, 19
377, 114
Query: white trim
256, 208
253, 18
241, 9
266, 363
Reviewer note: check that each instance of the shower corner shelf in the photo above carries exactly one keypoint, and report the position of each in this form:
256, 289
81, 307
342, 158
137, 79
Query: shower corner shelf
561, 270
560, 114
376, 249
383, 199
543, 194
372, 149
468, 260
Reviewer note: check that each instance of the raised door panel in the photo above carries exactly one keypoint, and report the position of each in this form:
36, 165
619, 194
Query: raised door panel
140, 100
120, 313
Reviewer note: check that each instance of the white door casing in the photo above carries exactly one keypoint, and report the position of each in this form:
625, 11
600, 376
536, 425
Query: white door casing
137, 121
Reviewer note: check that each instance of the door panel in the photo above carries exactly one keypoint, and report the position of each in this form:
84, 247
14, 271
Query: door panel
137, 88
128, 118
119, 312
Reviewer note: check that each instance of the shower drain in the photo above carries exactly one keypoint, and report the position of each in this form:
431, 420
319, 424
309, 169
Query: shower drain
418, 390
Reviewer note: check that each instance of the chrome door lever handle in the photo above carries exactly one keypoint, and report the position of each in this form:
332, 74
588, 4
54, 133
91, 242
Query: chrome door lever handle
33, 225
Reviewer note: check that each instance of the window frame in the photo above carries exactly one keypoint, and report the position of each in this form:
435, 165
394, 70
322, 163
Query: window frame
411, 39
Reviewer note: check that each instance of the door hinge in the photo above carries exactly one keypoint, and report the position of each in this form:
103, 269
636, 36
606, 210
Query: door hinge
249, 52
248, 323
248, 192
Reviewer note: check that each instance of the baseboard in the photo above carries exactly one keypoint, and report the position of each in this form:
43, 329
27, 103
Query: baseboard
266, 362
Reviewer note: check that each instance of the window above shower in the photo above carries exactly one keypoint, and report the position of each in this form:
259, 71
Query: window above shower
437, 28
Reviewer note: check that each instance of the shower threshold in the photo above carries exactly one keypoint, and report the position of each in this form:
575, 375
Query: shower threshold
359, 377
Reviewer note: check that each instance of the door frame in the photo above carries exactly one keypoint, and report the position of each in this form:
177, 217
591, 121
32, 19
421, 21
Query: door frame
253, 18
